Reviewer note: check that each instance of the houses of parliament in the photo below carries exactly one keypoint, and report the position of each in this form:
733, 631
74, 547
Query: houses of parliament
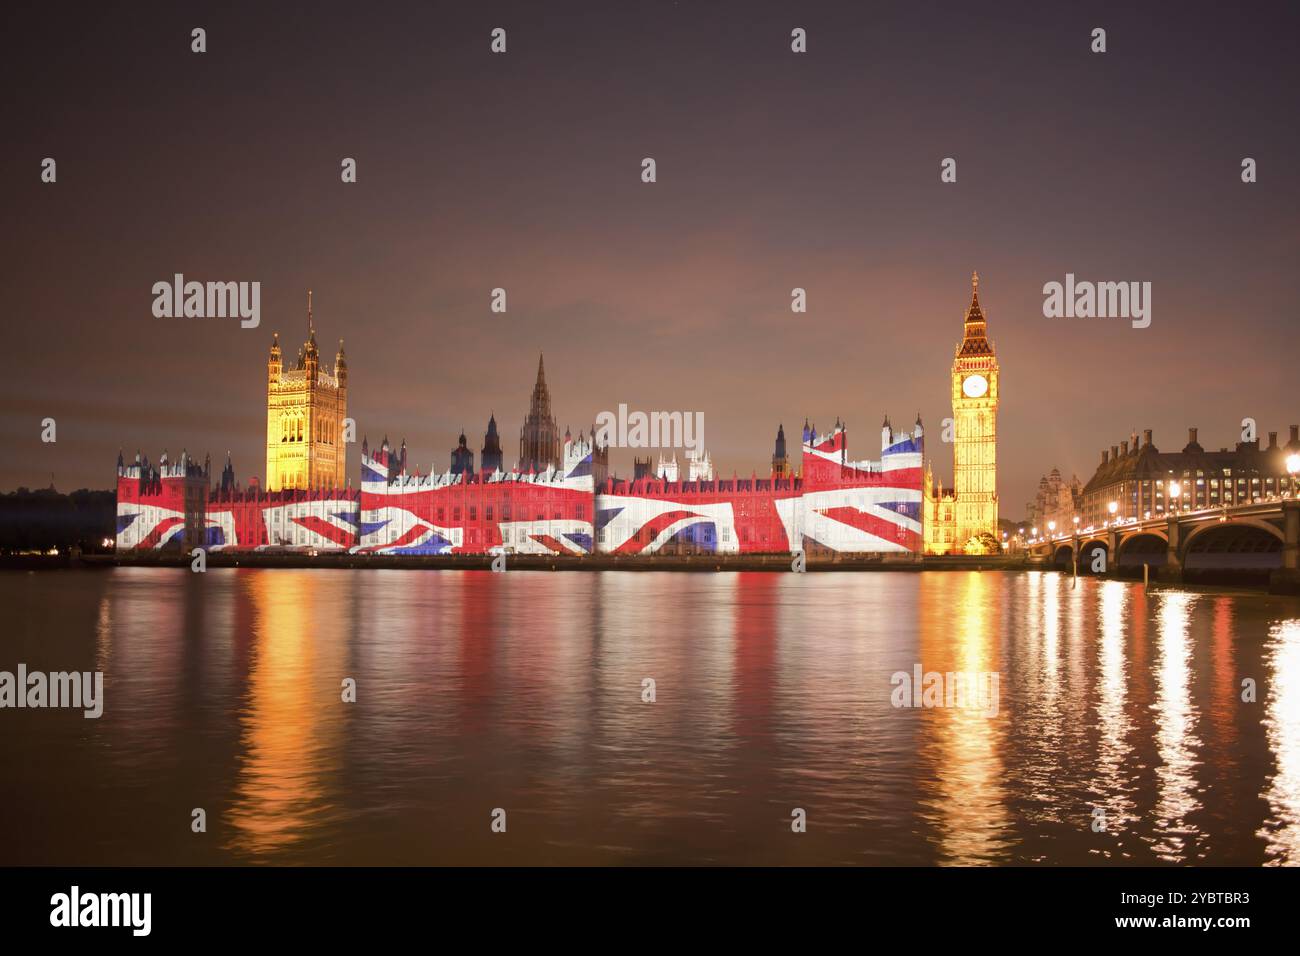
307, 431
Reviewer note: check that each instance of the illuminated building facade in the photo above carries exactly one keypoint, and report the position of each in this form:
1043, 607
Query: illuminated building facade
305, 410
1137, 476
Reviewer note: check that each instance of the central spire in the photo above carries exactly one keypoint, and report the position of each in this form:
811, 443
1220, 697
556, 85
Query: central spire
309, 322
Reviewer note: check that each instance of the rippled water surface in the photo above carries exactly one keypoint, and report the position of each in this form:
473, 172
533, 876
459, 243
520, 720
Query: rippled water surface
523, 691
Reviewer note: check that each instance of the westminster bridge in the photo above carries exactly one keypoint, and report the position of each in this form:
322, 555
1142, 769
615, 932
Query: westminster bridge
1257, 539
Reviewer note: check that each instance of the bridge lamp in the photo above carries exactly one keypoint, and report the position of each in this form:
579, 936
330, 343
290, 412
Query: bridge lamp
1051, 527
1175, 489
1293, 467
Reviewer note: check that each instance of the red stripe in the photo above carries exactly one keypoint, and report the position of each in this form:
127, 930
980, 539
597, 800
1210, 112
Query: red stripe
340, 536
874, 525
654, 526
159, 530
417, 532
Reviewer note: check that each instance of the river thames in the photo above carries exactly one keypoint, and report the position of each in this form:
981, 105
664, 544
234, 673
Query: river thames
1120, 735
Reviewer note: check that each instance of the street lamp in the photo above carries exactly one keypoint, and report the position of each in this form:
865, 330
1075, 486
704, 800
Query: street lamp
1293, 467
1112, 507
1175, 490
1051, 527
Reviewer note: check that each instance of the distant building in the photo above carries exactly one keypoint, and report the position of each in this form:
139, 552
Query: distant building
1056, 500
1137, 477
699, 467
305, 411
539, 439
462, 458
780, 460
491, 460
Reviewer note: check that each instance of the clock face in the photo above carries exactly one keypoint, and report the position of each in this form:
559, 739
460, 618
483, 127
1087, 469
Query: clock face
975, 386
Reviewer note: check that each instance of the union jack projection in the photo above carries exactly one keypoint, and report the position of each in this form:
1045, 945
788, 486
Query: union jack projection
545, 512
835, 506
171, 507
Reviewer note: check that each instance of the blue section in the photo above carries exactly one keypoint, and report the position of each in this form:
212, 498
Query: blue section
351, 517
605, 515
369, 474
581, 540
703, 535
370, 527
176, 541
910, 509
124, 522
213, 537
435, 545
903, 447
581, 469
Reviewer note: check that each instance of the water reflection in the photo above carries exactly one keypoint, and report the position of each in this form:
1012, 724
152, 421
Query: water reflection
525, 691
1281, 829
291, 714
1176, 740
974, 818
1112, 790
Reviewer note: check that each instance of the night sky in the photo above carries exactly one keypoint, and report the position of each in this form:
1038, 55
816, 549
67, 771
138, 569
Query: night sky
522, 170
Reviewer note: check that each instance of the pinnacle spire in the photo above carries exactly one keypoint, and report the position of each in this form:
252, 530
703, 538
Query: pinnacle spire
975, 338
310, 327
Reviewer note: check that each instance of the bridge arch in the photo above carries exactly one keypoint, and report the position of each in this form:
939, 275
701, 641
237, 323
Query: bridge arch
1087, 554
1147, 546
1239, 543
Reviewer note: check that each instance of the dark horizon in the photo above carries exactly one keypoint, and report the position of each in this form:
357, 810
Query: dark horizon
521, 171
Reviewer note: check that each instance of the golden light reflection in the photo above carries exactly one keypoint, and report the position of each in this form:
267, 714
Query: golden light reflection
290, 735
1176, 740
1111, 786
966, 744
1281, 829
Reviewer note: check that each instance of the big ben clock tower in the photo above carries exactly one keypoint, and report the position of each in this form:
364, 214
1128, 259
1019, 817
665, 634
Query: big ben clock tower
975, 431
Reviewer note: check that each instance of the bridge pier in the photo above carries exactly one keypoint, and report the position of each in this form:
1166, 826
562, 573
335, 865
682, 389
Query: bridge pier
1172, 572
1286, 579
